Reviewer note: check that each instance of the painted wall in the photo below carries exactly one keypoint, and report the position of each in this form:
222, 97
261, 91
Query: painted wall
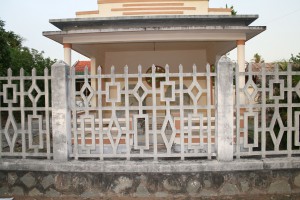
161, 58
118, 9
113, 8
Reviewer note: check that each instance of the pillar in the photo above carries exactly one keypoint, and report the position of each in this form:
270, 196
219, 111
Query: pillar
94, 81
224, 111
61, 114
241, 65
241, 59
67, 53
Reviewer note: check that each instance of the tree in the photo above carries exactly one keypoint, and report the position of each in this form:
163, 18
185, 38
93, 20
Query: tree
15, 56
8, 40
258, 58
295, 59
29, 59
233, 12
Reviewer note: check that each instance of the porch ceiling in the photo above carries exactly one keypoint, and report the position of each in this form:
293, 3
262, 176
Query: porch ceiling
89, 43
212, 47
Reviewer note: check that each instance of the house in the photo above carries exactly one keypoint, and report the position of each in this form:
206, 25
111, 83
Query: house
147, 32
80, 66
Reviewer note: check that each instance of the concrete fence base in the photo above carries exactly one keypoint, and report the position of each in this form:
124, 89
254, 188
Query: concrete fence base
211, 185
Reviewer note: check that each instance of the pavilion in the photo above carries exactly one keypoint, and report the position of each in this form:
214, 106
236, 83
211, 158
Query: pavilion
153, 32
160, 32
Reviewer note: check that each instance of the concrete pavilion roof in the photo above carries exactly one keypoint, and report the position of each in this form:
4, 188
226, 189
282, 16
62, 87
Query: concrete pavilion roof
84, 32
153, 21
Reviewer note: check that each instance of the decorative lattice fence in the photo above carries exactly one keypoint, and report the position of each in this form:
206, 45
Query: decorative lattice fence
267, 112
151, 115
25, 124
127, 118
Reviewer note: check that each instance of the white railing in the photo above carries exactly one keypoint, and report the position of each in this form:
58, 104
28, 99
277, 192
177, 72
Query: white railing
25, 115
267, 113
129, 118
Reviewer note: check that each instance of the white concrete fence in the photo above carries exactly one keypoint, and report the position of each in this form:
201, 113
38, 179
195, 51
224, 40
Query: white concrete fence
126, 116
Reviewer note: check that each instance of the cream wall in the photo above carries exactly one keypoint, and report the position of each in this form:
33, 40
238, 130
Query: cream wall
125, 8
87, 16
220, 13
112, 8
161, 58
201, 8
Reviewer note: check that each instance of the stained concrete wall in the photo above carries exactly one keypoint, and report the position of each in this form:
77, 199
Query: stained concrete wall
250, 184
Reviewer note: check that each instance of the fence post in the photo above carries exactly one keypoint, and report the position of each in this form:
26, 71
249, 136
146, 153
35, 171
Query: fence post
61, 124
224, 111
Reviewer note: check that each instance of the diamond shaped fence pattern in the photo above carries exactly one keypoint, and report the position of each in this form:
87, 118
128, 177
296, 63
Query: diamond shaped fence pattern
160, 124
267, 116
25, 118
153, 127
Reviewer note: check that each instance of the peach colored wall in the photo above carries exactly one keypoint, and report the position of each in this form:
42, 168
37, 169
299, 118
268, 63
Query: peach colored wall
201, 7
150, 7
161, 58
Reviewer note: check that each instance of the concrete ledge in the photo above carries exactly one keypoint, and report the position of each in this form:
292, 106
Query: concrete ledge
148, 166
165, 20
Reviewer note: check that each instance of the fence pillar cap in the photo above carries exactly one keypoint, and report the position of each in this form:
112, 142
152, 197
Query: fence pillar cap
225, 59
59, 63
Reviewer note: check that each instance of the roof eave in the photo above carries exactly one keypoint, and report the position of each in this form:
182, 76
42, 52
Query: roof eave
153, 21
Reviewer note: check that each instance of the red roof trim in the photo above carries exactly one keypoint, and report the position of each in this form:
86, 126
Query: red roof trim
80, 66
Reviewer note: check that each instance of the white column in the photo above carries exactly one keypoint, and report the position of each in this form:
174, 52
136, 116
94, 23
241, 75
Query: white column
241, 59
67, 53
94, 81
241, 64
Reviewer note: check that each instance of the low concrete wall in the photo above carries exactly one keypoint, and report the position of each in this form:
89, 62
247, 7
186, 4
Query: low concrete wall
41, 185
166, 166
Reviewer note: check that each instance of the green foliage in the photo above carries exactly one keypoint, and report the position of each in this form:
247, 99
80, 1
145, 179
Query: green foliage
4, 48
29, 59
8, 42
15, 56
233, 12
295, 59
258, 58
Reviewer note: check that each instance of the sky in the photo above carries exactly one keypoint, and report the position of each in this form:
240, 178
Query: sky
29, 18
